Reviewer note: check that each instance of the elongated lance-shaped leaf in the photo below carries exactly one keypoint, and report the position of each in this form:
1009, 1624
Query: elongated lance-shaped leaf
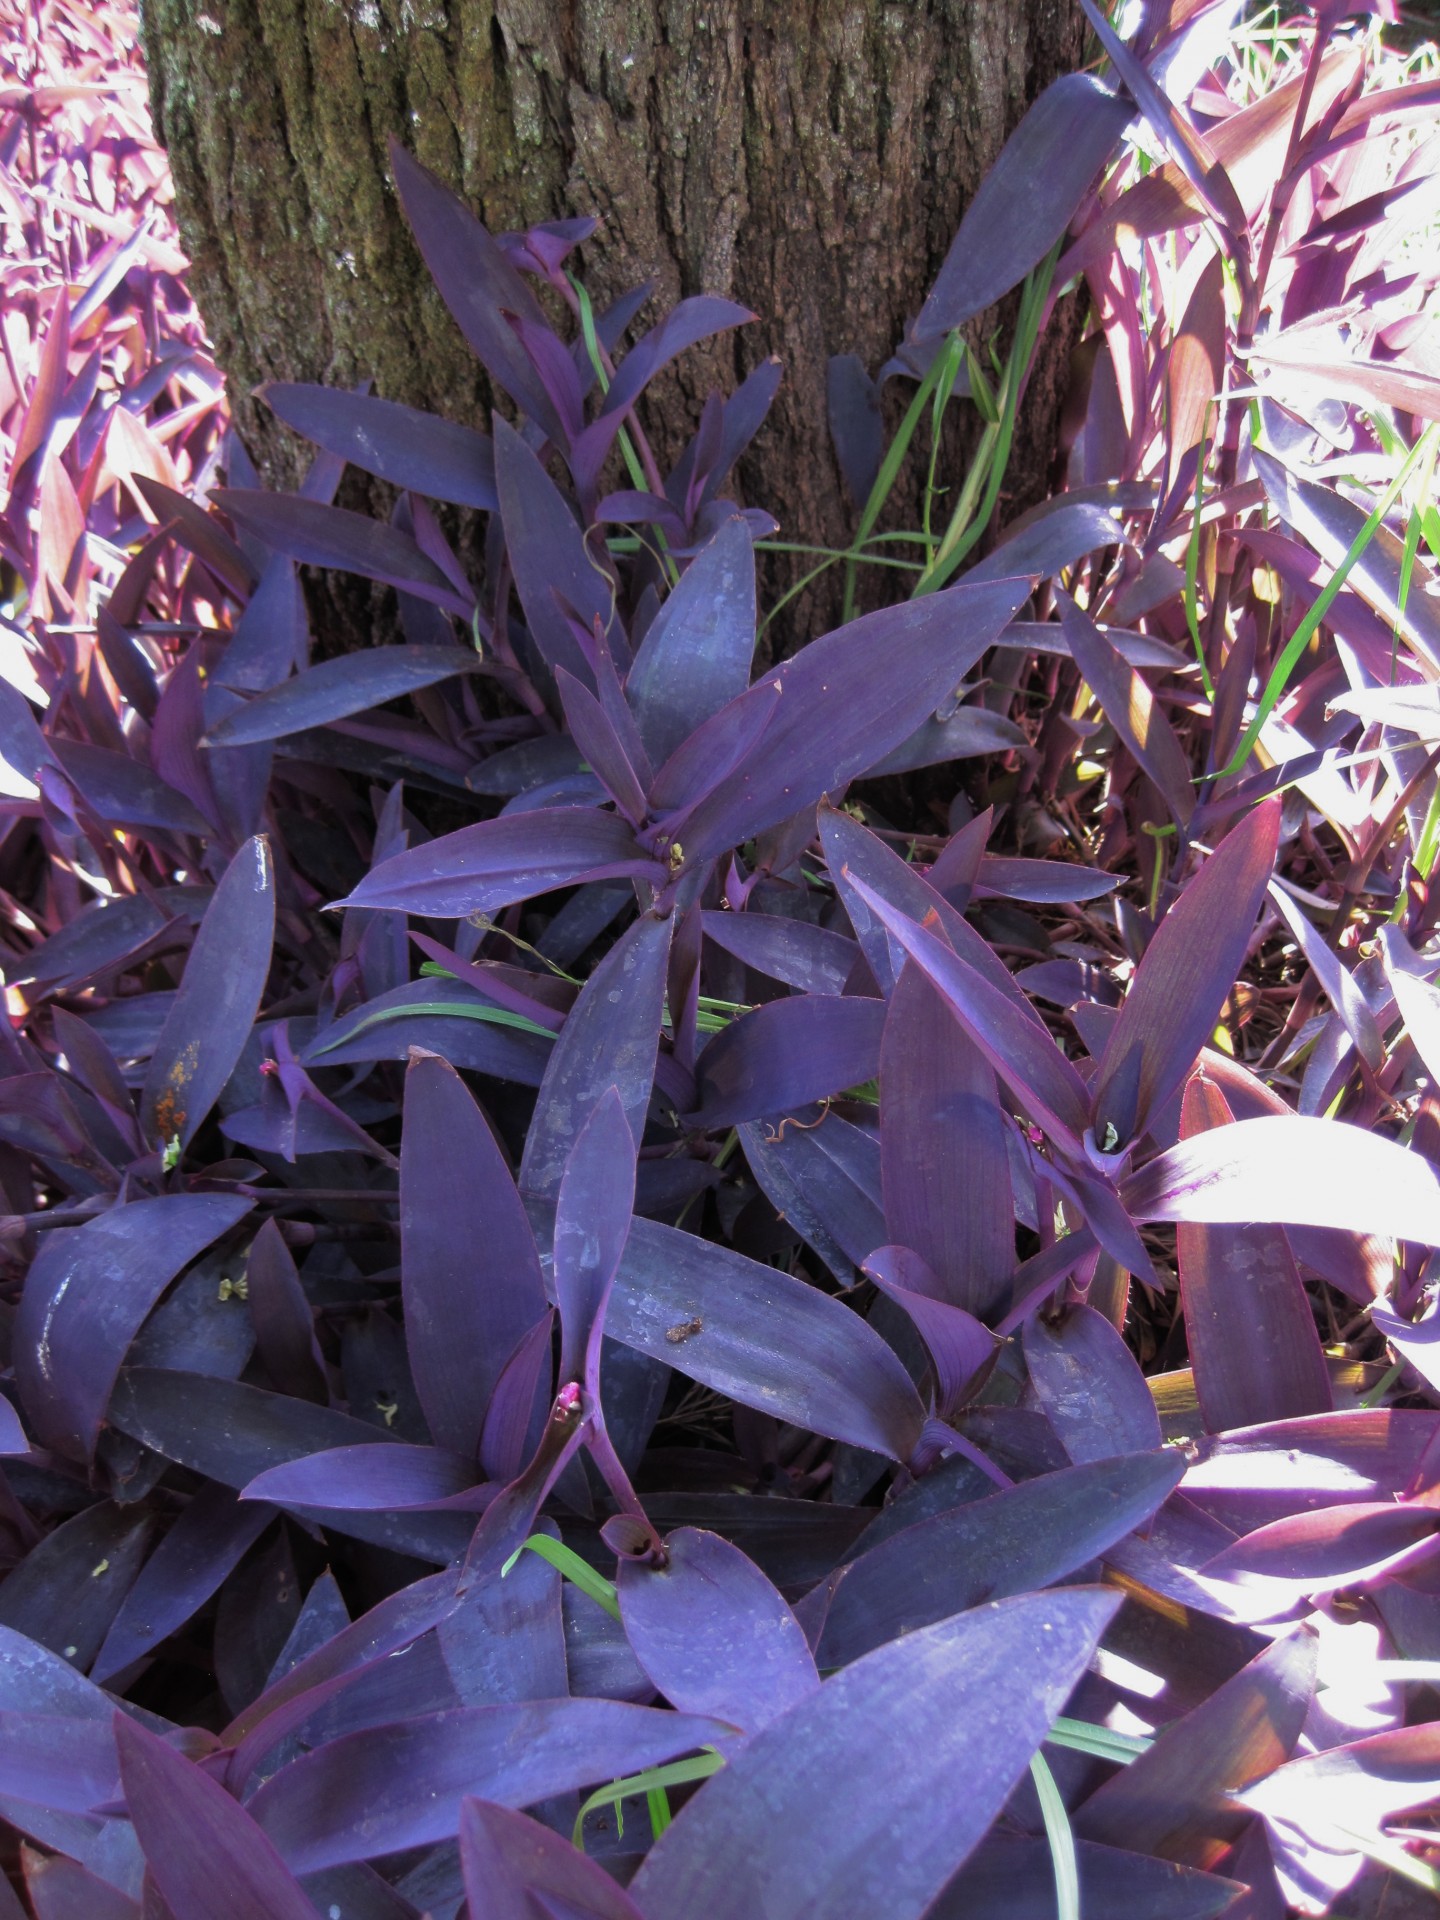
592, 1223
202, 1849
407, 447
1174, 1800
1343, 1546
811, 958
210, 1019
1352, 1789
482, 868
470, 1275
600, 746
1244, 1277
1026, 1536
1130, 707
705, 759
1335, 979
610, 1039
826, 1182
868, 1795
1183, 981
787, 1053
1195, 370
1010, 1878
335, 689
323, 536
943, 1155
695, 656
1089, 1386
477, 283
713, 1634
960, 1346
1026, 200
764, 1338
853, 852
549, 557
515, 1868
86, 1296
203, 1547
400, 1786
390, 1475
846, 701
1017, 1044
1295, 1169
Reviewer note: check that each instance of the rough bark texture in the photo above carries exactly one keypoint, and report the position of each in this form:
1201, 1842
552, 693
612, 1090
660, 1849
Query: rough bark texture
812, 161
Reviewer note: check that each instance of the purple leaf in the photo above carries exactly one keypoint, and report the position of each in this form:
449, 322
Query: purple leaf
943, 1154
1090, 1386
206, 1854
1026, 200
873, 1791
1174, 1801
705, 759
232, 1433
400, 1786
763, 1338
283, 1319
271, 637
846, 701
372, 1479
548, 556
1244, 1277
960, 1347
438, 1016
202, 533
600, 746
508, 1436
1195, 373
1342, 1546
1010, 1878
696, 655
125, 792
471, 1276
787, 1053
1314, 1173
853, 852
1016, 1043
713, 1634
1183, 981
805, 956
592, 1223
201, 1550
482, 868
1026, 1536
1190, 153
857, 426
62, 1889
209, 1023
1335, 979
67, 1765
1047, 882
335, 689
1130, 707
610, 1038
1351, 1790
12, 1434
505, 1641
420, 451
515, 1868
825, 1180
322, 536
476, 281
86, 1297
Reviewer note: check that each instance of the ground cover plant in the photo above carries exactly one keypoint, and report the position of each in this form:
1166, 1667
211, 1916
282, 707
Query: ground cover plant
641, 1282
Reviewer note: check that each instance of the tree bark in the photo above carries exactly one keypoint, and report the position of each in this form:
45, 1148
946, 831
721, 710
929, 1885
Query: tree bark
811, 161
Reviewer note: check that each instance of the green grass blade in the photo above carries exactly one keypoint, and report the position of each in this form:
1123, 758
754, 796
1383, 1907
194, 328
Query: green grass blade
1101, 1742
1062, 1840
572, 1568
445, 1009
676, 1773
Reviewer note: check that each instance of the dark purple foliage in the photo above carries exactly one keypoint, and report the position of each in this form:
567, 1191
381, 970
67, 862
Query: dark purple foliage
575, 1200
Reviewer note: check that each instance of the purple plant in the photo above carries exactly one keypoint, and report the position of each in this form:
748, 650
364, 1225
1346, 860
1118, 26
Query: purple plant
635, 1298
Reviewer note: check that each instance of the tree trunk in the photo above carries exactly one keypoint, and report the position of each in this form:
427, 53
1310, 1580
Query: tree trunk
812, 163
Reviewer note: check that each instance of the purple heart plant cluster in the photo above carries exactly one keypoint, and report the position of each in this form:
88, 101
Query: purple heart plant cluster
826, 1307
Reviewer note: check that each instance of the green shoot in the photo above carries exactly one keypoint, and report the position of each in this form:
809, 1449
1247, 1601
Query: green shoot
1061, 1838
654, 1780
1102, 1743
444, 1009
1192, 561
571, 1567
